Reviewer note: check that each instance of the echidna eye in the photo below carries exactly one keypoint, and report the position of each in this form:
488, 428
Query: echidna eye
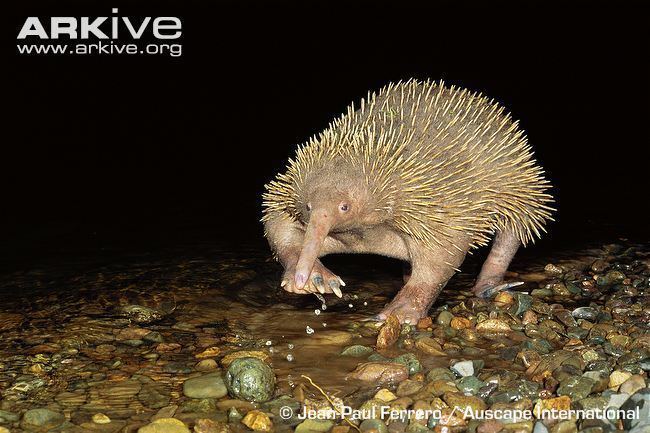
344, 207
309, 206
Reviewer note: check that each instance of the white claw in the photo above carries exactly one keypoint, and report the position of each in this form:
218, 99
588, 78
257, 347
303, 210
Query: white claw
321, 289
283, 283
488, 293
507, 286
342, 282
337, 292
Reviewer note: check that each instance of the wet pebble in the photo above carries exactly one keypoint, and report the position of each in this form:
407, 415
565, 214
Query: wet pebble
207, 386
261, 355
444, 318
100, 418
470, 385
258, 421
165, 425
142, 314
463, 368
617, 378
388, 333
373, 426
462, 402
410, 361
207, 425
250, 379
380, 372
38, 420
206, 365
587, 313
493, 326
632, 384
314, 425
639, 401
576, 387
357, 351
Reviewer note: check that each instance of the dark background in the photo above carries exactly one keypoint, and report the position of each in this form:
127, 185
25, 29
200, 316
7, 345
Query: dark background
146, 151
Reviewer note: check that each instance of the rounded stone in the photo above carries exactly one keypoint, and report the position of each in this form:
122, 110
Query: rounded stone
463, 368
357, 351
258, 421
100, 418
444, 318
206, 386
41, 420
314, 426
165, 425
250, 379
206, 365
373, 425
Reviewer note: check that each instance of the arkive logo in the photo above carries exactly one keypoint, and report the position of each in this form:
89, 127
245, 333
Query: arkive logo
83, 27
47, 36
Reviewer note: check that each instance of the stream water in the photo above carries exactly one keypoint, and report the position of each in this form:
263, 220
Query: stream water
69, 336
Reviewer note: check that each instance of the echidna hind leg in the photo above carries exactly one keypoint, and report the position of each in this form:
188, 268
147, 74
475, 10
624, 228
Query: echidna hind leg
490, 279
431, 268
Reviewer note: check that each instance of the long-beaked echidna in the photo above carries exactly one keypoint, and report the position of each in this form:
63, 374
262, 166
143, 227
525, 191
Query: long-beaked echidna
420, 172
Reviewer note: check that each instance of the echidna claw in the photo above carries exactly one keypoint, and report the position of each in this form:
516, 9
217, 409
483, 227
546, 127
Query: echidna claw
334, 285
319, 283
490, 291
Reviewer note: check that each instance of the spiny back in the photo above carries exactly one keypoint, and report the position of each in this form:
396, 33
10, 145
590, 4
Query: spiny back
437, 160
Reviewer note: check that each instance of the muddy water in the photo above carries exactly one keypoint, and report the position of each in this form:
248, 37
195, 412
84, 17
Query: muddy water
63, 328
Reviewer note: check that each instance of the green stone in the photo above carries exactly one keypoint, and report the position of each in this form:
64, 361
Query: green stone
410, 361
314, 425
41, 420
250, 379
576, 387
470, 384
203, 405
373, 425
522, 304
539, 345
444, 318
357, 351
440, 373
592, 403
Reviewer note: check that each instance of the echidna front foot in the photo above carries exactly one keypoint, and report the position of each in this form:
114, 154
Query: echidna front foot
321, 280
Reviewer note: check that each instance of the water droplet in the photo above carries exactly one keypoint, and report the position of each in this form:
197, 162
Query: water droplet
317, 312
309, 330
268, 342
321, 298
289, 357
290, 345
350, 305
365, 303
324, 324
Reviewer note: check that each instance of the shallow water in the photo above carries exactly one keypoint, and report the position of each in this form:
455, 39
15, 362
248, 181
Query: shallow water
60, 326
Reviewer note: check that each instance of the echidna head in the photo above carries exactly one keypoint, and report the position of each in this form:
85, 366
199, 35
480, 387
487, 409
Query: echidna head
332, 202
340, 197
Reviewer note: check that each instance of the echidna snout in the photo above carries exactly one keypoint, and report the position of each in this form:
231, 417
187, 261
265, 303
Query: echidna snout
324, 214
